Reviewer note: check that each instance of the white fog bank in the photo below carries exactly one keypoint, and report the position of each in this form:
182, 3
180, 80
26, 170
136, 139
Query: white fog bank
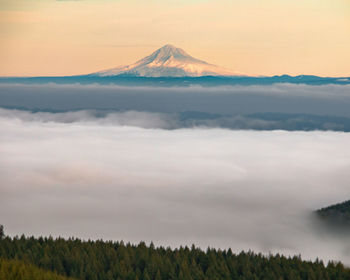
212, 187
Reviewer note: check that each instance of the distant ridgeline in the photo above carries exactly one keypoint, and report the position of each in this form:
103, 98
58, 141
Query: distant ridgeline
211, 81
338, 214
32, 258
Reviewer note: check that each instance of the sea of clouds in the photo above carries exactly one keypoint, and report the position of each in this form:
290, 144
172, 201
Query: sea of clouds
136, 176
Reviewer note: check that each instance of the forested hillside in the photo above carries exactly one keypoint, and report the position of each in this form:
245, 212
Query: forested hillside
99, 260
18, 270
338, 212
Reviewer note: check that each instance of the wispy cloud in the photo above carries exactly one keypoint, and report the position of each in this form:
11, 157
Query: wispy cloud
260, 121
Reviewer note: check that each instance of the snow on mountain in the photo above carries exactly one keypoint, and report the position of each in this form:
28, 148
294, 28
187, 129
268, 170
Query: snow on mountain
168, 61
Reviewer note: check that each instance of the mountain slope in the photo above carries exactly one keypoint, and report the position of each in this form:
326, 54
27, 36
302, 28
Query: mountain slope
336, 214
168, 61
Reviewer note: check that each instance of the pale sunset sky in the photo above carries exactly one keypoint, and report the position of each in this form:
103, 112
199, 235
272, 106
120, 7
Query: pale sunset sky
271, 37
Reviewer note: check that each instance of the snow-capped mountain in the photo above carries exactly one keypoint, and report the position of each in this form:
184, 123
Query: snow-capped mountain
168, 61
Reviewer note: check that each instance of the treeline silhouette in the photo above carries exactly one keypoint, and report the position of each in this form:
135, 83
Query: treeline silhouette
107, 260
339, 211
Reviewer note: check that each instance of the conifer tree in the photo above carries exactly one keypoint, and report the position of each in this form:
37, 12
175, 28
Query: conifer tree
2, 233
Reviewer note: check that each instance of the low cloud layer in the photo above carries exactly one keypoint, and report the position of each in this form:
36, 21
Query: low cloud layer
232, 100
128, 118
259, 121
212, 187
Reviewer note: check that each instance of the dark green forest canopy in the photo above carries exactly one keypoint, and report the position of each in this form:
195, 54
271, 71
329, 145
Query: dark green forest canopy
343, 207
337, 213
107, 260
14, 269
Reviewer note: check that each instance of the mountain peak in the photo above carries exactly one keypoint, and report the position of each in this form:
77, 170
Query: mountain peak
166, 53
168, 61
168, 47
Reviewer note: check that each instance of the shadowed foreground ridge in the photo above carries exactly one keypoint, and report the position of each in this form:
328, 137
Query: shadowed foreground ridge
99, 260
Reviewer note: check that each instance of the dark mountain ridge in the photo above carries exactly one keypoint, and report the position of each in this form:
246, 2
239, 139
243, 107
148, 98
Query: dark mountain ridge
210, 81
337, 214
